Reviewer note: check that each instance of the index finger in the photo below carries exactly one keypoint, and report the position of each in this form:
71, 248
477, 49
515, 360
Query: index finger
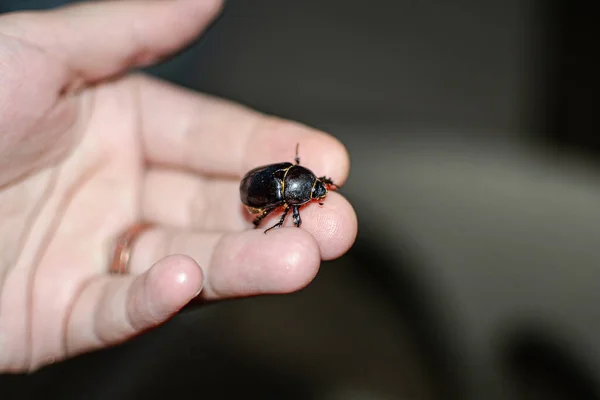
189, 130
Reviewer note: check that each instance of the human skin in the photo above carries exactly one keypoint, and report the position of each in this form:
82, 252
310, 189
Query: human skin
87, 149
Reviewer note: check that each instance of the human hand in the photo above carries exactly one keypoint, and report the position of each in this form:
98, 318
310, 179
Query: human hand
86, 152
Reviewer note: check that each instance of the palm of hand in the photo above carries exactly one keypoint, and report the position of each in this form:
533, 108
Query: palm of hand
77, 167
63, 216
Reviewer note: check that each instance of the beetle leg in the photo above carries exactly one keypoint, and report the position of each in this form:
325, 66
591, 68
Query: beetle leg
262, 216
296, 213
297, 157
328, 181
287, 209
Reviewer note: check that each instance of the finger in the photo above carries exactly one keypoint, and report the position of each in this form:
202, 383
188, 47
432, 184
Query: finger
237, 264
112, 309
101, 39
188, 130
334, 225
187, 201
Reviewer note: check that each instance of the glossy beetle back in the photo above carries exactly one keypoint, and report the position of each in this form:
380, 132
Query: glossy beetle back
299, 182
262, 187
288, 186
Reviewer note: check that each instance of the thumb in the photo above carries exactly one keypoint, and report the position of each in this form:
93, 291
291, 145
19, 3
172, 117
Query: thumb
116, 308
97, 40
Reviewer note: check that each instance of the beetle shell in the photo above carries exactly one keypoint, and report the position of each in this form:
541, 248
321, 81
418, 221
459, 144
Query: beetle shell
262, 187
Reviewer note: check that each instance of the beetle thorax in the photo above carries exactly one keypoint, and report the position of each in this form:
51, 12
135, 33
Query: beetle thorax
298, 185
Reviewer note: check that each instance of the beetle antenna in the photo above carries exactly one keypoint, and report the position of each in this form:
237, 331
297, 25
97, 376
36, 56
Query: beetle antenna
297, 157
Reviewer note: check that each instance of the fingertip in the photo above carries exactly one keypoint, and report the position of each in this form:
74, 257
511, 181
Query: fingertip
334, 225
204, 9
171, 283
298, 262
252, 262
324, 153
337, 159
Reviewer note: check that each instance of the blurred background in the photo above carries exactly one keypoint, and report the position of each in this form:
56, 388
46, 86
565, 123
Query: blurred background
472, 129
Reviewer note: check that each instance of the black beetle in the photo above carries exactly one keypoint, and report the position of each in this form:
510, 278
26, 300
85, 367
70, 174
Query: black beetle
264, 189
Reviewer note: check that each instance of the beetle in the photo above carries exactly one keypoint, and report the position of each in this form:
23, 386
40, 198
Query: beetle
269, 187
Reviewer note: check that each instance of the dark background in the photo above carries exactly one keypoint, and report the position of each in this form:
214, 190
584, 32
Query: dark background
472, 131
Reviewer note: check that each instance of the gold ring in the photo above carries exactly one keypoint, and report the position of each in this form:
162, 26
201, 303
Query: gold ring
124, 247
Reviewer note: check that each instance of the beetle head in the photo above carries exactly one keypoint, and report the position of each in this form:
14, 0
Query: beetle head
319, 191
